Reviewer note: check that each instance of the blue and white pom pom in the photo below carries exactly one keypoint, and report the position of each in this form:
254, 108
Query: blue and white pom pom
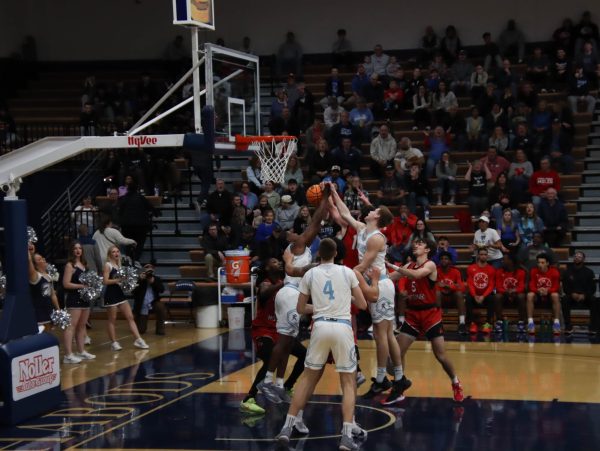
93, 286
52, 272
31, 235
61, 318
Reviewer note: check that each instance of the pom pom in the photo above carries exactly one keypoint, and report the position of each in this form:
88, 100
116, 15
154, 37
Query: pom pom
61, 318
31, 235
52, 272
129, 278
93, 286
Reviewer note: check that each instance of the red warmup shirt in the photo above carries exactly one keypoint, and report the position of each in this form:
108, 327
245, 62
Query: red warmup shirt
390, 93
452, 278
481, 280
541, 181
419, 291
549, 279
398, 232
510, 280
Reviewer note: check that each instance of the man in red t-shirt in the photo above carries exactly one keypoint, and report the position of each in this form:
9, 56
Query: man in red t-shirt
450, 288
510, 288
544, 285
481, 280
541, 180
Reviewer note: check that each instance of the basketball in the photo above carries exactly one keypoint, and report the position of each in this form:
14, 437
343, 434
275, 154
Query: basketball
314, 195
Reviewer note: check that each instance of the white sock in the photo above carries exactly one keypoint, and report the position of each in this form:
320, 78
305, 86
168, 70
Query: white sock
269, 377
461, 319
398, 373
556, 321
455, 380
529, 320
279, 382
401, 318
380, 375
290, 421
299, 416
347, 429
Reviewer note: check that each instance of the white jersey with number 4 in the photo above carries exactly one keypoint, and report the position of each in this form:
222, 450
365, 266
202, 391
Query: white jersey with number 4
362, 238
299, 261
330, 287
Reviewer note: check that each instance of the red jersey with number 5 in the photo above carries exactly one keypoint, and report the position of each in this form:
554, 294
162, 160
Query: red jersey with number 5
420, 291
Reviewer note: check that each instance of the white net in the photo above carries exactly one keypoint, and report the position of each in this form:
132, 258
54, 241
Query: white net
274, 156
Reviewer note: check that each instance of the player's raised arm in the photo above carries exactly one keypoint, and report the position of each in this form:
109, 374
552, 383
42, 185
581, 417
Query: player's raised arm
310, 233
289, 267
345, 211
374, 246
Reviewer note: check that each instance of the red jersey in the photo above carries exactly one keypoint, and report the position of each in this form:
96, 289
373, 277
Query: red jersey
349, 241
420, 291
481, 280
549, 280
540, 181
510, 280
452, 279
264, 324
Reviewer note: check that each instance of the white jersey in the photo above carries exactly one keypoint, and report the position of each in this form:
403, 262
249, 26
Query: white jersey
330, 287
299, 261
361, 246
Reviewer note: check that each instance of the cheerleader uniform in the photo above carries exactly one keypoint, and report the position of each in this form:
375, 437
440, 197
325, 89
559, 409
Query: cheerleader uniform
41, 297
114, 294
73, 298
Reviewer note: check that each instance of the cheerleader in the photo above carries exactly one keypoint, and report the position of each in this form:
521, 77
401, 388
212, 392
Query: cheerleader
42, 291
76, 306
114, 299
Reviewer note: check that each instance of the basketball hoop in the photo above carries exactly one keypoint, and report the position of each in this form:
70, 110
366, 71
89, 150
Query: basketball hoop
273, 152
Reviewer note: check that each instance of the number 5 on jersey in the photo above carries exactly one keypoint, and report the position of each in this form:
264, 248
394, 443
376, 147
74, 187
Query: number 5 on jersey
328, 290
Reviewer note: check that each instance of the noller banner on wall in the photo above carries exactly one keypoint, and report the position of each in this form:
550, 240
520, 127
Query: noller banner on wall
199, 13
35, 372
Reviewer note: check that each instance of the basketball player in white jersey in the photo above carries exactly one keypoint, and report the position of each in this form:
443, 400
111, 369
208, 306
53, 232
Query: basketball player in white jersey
286, 302
372, 247
332, 288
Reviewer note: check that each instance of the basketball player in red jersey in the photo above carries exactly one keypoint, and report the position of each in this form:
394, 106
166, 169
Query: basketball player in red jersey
423, 314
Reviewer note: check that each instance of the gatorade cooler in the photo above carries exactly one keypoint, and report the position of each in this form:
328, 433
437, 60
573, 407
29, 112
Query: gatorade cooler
237, 264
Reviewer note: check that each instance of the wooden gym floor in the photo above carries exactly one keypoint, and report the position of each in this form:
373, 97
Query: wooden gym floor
184, 392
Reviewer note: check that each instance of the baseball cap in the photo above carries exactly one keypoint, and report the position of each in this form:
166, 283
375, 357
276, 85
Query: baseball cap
286, 199
484, 219
336, 168
389, 167
294, 181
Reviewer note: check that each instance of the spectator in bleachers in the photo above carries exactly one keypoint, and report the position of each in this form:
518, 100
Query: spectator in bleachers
508, 102
478, 82
393, 99
85, 214
481, 281
564, 36
524, 141
332, 113
497, 117
417, 188
491, 52
265, 228
302, 220
537, 69
486, 100
382, 150
240, 216
556, 220
335, 177
586, 31
304, 109
562, 112
439, 66
320, 162
214, 244
421, 103
560, 70
527, 95
345, 128
541, 180
474, 129
407, 155
107, 236
579, 289
460, 74
401, 80
529, 224
508, 229
579, 91
392, 67
110, 207
291, 89
429, 44
286, 213
347, 157
495, 163
444, 246
359, 81
502, 196
512, 41
253, 172
398, 232
354, 196
455, 125
506, 78
334, 87
341, 50
414, 83
519, 173
135, 212
88, 120
558, 145
248, 198
362, 118
373, 94
272, 196
499, 140
380, 60
279, 103
528, 254
450, 44
433, 81
541, 121
443, 100
510, 289
446, 184
219, 205
289, 56
285, 123
293, 171
450, 288
259, 211
544, 286
313, 135
436, 143
391, 188
478, 175
421, 233
295, 191
488, 238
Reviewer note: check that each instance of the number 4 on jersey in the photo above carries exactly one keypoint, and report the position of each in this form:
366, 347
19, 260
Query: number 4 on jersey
328, 290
